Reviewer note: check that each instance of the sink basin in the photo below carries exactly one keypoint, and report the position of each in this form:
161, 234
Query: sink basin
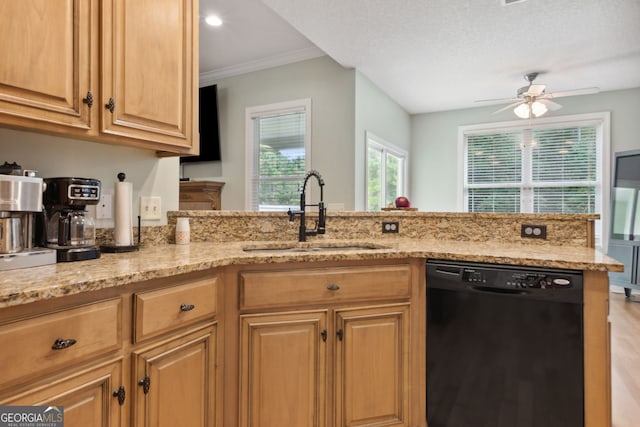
312, 247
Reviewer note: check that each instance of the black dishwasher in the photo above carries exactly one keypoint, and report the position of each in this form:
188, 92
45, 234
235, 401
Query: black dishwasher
504, 346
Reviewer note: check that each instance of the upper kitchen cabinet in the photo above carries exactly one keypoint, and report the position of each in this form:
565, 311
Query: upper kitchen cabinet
150, 65
115, 71
46, 70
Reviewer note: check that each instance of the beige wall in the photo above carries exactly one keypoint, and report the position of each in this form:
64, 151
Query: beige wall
54, 156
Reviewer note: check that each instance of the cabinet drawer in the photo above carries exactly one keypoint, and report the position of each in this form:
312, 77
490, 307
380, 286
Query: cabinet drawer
264, 289
165, 309
27, 345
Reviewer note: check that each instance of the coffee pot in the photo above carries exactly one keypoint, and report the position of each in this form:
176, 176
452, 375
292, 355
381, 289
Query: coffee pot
70, 228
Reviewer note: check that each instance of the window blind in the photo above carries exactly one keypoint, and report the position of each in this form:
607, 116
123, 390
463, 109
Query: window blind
540, 169
279, 153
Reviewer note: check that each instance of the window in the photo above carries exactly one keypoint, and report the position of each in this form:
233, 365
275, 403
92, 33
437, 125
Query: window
386, 173
278, 147
544, 166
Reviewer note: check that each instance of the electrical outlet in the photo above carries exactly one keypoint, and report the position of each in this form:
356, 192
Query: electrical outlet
104, 208
150, 208
533, 231
390, 226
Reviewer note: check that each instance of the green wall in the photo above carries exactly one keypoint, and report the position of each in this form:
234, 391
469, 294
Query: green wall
435, 177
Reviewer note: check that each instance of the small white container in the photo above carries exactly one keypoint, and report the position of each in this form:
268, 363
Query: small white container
183, 231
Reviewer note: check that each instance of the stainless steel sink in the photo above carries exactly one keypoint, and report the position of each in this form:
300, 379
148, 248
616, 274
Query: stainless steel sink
311, 247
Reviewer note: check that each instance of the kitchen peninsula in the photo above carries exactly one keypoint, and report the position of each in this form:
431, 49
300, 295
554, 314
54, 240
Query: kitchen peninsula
244, 288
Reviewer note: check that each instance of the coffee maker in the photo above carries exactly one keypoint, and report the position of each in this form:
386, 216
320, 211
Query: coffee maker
70, 230
20, 205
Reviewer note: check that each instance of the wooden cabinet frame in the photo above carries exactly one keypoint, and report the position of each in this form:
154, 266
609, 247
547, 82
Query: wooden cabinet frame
115, 71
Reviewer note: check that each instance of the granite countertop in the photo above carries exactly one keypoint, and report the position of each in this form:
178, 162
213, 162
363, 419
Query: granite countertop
22, 286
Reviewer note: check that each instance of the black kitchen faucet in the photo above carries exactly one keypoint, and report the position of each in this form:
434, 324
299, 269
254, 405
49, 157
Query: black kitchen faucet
322, 211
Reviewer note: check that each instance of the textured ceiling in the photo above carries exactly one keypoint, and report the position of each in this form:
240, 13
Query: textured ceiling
433, 55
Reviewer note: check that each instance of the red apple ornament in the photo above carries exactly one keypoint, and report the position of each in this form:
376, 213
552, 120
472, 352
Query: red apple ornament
403, 202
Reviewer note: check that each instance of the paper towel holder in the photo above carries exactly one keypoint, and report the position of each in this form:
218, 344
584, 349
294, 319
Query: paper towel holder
113, 248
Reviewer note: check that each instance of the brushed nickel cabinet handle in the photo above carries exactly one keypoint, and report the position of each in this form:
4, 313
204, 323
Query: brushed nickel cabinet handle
333, 287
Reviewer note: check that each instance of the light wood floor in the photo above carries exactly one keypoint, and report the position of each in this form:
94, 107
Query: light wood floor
625, 360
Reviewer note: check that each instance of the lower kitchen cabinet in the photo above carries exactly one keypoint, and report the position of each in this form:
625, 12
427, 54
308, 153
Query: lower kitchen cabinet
324, 346
143, 355
89, 397
284, 373
175, 382
372, 367
283, 369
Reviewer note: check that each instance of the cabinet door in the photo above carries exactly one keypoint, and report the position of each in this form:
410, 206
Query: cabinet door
372, 367
45, 71
150, 56
87, 397
175, 382
282, 371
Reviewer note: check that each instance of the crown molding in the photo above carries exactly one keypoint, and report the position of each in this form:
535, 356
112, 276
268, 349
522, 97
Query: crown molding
209, 77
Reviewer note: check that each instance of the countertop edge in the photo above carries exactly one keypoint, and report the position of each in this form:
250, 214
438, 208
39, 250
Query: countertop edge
116, 270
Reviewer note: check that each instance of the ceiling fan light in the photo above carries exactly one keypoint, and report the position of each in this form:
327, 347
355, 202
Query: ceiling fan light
538, 108
522, 111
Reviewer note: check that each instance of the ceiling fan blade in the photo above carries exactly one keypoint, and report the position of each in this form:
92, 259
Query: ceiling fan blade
496, 100
535, 90
574, 92
553, 106
507, 107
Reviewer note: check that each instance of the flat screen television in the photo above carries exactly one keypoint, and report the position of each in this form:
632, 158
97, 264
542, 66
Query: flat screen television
209, 127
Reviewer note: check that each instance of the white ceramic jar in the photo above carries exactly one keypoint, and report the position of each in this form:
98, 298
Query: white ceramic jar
183, 231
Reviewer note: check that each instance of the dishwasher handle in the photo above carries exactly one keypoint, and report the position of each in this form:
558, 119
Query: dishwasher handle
450, 272
489, 289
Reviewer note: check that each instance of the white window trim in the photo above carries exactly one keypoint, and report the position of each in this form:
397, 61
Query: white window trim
372, 140
263, 110
601, 118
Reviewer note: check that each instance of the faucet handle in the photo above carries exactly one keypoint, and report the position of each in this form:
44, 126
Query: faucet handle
322, 213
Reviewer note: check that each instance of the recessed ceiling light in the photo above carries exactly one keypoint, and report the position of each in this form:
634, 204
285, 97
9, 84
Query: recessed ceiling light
213, 20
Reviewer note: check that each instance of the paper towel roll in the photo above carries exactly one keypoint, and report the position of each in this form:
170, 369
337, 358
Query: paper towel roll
123, 227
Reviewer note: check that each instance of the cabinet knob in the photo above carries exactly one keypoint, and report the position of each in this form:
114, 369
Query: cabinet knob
333, 287
61, 344
120, 394
111, 106
340, 334
323, 334
187, 307
145, 383
88, 100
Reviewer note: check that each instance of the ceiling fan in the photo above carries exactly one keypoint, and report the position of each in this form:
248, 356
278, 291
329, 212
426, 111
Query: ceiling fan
533, 101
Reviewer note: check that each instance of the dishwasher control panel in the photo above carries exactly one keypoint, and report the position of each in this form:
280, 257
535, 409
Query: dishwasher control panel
499, 280
515, 279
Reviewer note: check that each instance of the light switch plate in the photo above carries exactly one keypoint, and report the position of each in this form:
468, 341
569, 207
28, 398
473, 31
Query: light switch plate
150, 208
